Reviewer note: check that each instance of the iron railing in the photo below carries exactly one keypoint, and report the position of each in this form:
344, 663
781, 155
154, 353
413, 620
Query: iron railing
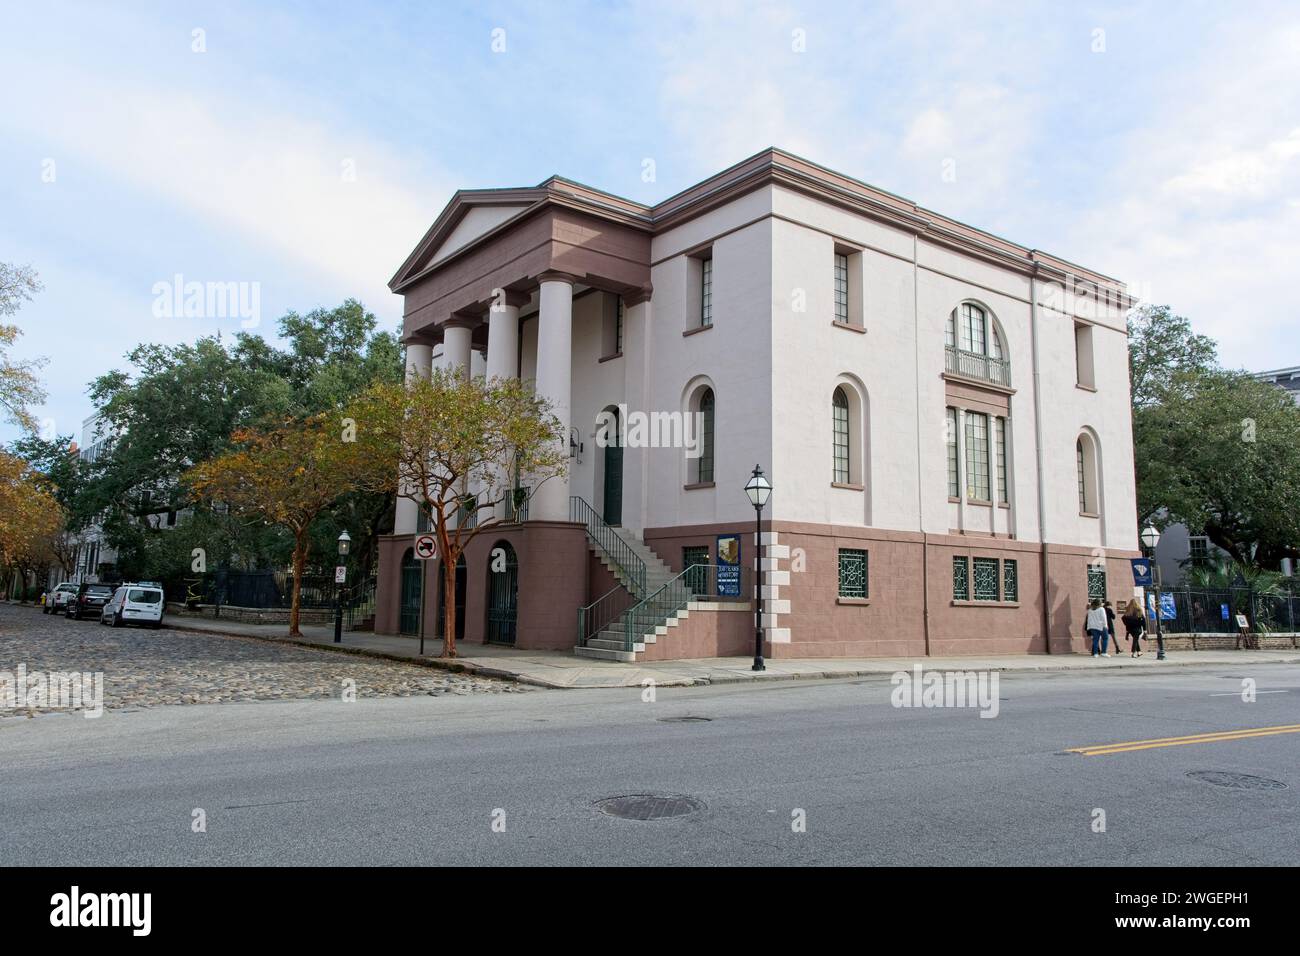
1214, 610
975, 365
699, 582
602, 612
607, 539
359, 603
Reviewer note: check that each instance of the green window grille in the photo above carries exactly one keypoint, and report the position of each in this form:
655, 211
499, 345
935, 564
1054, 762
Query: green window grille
853, 573
698, 558
1010, 581
840, 442
986, 579
1096, 582
842, 289
706, 292
960, 579
954, 484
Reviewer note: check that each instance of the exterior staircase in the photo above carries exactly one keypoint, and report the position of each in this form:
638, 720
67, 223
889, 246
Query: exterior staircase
650, 599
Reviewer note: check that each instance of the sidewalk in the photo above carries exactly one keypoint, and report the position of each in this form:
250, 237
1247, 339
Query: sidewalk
560, 669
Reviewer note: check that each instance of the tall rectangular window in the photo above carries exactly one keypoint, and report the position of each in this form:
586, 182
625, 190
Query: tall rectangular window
853, 573
706, 292
972, 332
618, 326
1000, 452
1082, 477
840, 436
977, 456
954, 484
1199, 551
841, 289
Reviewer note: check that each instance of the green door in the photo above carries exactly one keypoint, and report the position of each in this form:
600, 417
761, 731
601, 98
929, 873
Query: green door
614, 480
409, 615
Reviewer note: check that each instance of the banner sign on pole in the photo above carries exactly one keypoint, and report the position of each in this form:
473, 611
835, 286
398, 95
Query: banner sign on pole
1142, 575
728, 565
1168, 610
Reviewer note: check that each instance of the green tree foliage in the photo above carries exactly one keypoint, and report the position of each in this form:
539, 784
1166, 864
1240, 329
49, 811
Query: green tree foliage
1216, 450
178, 406
20, 388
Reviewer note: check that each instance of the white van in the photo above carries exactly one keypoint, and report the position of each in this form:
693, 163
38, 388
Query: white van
134, 604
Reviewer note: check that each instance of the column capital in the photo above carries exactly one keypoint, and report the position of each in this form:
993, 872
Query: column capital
554, 275
418, 338
514, 298
459, 320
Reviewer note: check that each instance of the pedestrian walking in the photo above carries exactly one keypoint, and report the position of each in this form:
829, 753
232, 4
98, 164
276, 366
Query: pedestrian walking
1135, 623
1095, 627
1110, 624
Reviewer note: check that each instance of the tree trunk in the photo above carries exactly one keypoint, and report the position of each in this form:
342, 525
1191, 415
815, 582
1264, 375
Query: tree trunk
449, 611
299, 560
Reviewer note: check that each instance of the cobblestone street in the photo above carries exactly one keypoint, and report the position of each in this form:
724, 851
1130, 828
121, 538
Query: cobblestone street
147, 668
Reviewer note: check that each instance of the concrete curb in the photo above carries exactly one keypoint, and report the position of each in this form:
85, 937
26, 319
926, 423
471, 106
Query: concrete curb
433, 663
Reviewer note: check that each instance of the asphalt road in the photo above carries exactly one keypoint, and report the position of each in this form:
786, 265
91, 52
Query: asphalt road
423, 780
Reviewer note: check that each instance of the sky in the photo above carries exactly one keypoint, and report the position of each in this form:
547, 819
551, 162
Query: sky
301, 150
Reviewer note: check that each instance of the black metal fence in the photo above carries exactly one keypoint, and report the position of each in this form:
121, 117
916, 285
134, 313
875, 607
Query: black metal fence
252, 589
1211, 611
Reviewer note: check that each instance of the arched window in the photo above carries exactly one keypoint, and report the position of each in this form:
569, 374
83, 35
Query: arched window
840, 441
1085, 455
704, 463
974, 345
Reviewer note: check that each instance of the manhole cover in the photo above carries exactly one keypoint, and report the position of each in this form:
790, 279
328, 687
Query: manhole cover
684, 720
648, 806
1235, 781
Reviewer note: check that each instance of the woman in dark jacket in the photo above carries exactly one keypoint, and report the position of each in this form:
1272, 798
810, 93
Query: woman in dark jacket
1135, 622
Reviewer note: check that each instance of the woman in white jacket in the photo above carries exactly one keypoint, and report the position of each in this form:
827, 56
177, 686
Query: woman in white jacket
1096, 626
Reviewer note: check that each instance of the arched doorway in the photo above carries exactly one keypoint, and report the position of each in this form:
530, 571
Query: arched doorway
408, 621
503, 593
461, 578
613, 478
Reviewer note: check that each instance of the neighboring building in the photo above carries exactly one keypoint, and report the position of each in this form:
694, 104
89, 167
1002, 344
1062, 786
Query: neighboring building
1286, 378
944, 415
92, 555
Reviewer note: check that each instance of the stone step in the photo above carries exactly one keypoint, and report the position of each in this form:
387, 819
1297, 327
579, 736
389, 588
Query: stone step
603, 654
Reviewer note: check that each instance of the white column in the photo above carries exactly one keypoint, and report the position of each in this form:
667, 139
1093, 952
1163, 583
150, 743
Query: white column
554, 382
455, 345
418, 361
503, 337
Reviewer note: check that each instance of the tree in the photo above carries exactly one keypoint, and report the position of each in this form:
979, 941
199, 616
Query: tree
1161, 347
1221, 453
20, 389
462, 446
30, 518
288, 476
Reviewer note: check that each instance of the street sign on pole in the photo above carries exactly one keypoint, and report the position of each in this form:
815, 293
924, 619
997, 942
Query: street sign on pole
426, 547
340, 574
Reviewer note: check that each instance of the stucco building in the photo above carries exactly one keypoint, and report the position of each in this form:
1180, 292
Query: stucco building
944, 416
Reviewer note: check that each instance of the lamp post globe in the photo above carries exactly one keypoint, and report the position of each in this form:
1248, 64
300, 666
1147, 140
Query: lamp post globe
758, 489
1150, 539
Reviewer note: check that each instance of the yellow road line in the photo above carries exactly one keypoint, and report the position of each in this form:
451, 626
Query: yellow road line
1098, 750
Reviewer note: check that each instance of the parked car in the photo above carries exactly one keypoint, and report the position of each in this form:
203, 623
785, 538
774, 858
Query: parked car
89, 600
134, 604
56, 600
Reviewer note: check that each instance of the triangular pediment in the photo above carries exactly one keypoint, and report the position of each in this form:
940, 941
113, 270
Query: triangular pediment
470, 215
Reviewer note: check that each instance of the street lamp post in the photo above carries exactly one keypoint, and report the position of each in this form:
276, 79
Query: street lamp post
1151, 538
758, 489
345, 543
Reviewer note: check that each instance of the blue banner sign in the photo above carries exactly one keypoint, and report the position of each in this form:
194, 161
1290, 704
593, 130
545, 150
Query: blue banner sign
728, 565
1142, 576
